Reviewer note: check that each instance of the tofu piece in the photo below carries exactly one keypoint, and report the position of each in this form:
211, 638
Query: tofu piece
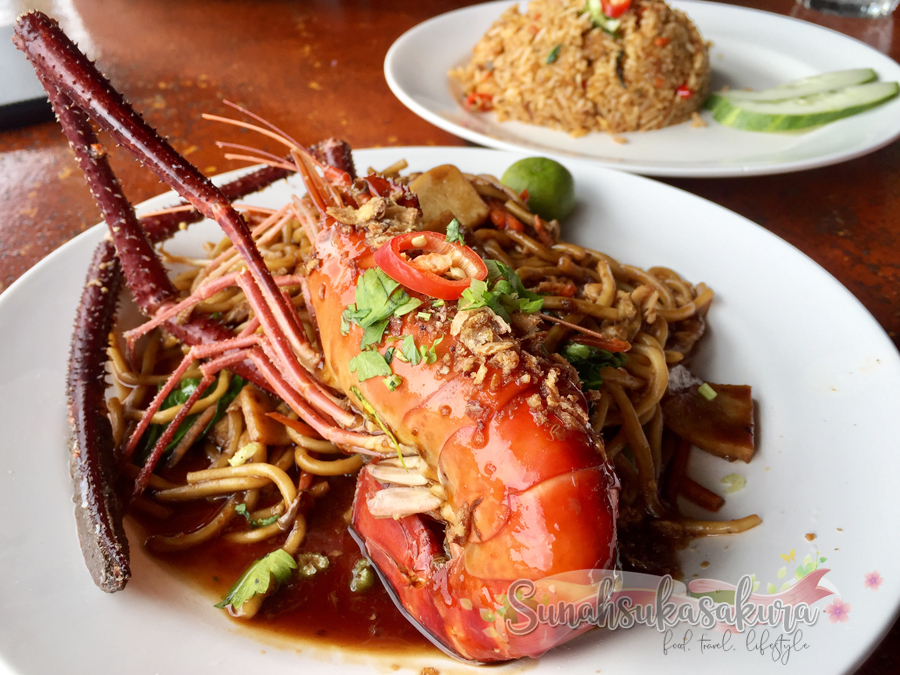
444, 188
722, 426
254, 404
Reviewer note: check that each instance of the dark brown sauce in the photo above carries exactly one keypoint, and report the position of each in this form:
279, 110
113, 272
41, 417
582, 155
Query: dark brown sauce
321, 609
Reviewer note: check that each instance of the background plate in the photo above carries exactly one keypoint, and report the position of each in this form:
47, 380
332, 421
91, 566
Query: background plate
823, 372
750, 48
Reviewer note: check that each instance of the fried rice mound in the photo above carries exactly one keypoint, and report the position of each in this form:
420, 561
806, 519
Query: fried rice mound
554, 66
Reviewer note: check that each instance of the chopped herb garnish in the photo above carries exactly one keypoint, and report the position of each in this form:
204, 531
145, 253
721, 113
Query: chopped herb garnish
370, 409
241, 510
393, 381
706, 391
274, 568
554, 54
378, 298
311, 563
424, 316
362, 577
589, 361
453, 234
372, 334
408, 350
437, 303
407, 307
505, 294
369, 364
389, 354
733, 483
429, 354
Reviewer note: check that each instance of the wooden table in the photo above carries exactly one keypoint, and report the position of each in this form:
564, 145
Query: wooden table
315, 68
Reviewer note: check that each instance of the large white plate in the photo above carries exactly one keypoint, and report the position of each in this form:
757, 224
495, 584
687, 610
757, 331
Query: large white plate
823, 372
750, 48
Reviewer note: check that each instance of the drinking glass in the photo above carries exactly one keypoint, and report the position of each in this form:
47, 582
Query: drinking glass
871, 9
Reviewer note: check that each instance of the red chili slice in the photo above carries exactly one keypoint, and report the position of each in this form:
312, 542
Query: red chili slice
615, 8
478, 102
401, 269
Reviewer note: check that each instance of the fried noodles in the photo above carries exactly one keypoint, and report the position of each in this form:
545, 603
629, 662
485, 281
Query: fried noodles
252, 457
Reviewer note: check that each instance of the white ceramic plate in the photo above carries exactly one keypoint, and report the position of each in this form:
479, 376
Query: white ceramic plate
822, 370
750, 49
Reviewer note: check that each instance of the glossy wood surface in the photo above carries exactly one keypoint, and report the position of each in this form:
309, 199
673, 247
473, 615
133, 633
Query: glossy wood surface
315, 68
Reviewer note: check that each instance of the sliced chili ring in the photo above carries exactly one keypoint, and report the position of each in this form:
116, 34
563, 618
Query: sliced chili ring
390, 259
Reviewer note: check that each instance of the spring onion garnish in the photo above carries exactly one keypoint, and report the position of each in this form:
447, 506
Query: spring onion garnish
706, 391
554, 54
735, 482
369, 408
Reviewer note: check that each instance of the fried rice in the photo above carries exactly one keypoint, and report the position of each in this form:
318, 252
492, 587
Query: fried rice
554, 66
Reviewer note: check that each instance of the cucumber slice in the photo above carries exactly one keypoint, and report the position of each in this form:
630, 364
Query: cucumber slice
838, 79
802, 112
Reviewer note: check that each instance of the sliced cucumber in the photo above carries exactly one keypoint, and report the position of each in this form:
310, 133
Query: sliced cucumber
801, 112
838, 79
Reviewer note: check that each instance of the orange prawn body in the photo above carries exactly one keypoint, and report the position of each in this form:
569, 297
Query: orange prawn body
530, 496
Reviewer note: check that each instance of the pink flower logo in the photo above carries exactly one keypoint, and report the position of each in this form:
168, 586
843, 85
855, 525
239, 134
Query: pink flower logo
838, 611
872, 580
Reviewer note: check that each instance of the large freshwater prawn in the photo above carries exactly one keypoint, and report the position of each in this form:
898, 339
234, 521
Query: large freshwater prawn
467, 423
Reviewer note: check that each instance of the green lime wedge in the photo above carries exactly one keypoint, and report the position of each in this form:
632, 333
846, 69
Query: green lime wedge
550, 186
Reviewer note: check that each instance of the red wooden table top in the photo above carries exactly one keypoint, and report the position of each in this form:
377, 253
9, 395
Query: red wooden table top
315, 68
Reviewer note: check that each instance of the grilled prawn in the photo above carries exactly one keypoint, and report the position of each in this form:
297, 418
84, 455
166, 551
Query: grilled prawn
468, 424
505, 456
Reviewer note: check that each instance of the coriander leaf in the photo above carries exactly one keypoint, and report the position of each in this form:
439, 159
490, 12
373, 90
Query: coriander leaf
531, 306
372, 334
589, 361
407, 307
474, 295
259, 576
375, 298
369, 364
409, 351
505, 294
453, 234
503, 287
378, 298
241, 510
